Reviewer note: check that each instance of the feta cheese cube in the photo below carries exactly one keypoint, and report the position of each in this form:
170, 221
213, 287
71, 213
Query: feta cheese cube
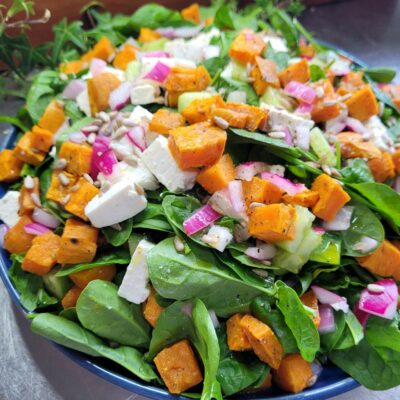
159, 160
143, 94
140, 114
9, 206
277, 43
123, 147
218, 237
135, 284
379, 133
84, 103
122, 201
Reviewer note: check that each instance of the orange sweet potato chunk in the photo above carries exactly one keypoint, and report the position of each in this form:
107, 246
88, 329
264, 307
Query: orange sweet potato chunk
363, 104
395, 159
217, 176
199, 110
99, 89
384, 261
299, 72
352, 145
53, 117
164, 120
393, 91
332, 197
42, 139
184, 79
309, 299
197, 145
26, 204
351, 82
265, 74
78, 157
57, 191
78, 243
83, 278
294, 374
246, 46
192, 13
235, 119
307, 198
237, 339
10, 166
256, 116
147, 35
178, 367
16, 240
151, 309
323, 110
25, 151
273, 222
80, 198
261, 191
73, 67
71, 297
42, 255
103, 49
382, 168
124, 57
263, 341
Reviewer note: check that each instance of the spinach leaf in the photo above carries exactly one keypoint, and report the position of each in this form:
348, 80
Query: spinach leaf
357, 171
73, 111
352, 333
233, 84
380, 74
30, 286
381, 95
199, 274
215, 64
101, 310
316, 73
72, 335
118, 237
329, 340
224, 41
279, 58
299, 322
227, 18
63, 136
364, 223
14, 121
117, 256
152, 218
283, 23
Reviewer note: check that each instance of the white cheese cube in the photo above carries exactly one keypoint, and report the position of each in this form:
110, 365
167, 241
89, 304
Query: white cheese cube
218, 237
9, 206
135, 284
277, 43
379, 133
159, 160
123, 147
84, 103
143, 94
140, 114
120, 202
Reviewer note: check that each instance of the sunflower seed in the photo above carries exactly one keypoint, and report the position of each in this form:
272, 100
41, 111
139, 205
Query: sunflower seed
178, 244
36, 199
255, 204
139, 189
66, 199
29, 183
319, 91
91, 138
131, 160
326, 169
312, 380
261, 272
120, 132
277, 135
209, 239
220, 122
335, 172
329, 103
345, 97
313, 164
75, 188
128, 122
374, 288
116, 227
63, 179
88, 178
90, 128
61, 163
105, 186
103, 116
113, 114
97, 122
266, 262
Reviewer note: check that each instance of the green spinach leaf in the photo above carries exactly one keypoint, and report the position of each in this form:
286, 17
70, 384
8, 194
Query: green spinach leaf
118, 237
357, 171
381, 74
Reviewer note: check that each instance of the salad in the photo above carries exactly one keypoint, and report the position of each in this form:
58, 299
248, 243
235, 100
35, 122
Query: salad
209, 198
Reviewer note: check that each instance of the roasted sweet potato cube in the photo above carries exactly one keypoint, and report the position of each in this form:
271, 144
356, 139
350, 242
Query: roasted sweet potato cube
73, 67
332, 197
299, 72
393, 91
25, 151
83, 278
151, 309
184, 79
78, 157
124, 57
164, 120
192, 13
53, 117
273, 222
310, 300
26, 204
42, 139
261, 191
200, 109
80, 197
147, 35
235, 119
384, 261
246, 47
395, 159
353, 145
10, 166
363, 104
382, 168
307, 198
16, 240
351, 82
103, 49
263, 341
217, 176
99, 89
237, 339
197, 145
265, 74
325, 107
59, 192
78, 243
42, 255
178, 367
294, 374
71, 297
256, 116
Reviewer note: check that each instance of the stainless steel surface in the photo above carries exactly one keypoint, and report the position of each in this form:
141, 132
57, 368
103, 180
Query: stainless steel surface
31, 368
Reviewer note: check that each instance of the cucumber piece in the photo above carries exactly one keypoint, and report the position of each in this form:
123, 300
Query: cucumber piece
185, 99
155, 45
277, 98
328, 252
57, 285
321, 147
293, 262
239, 72
132, 70
304, 220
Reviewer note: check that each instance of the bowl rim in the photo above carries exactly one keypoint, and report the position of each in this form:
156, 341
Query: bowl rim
148, 390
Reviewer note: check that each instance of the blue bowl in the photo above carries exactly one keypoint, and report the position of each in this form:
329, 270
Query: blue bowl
332, 381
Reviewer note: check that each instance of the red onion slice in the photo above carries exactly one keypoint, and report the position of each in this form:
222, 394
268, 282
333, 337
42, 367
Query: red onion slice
36, 229
159, 72
44, 218
77, 137
301, 92
73, 89
103, 158
200, 219
342, 220
120, 97
97, 66
262, 252
137, 136
287, 186
327, 297
327, 322
235, 190
247, 170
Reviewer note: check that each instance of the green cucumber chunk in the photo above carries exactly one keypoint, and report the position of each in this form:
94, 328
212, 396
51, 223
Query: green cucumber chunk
321, 147
57, 285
